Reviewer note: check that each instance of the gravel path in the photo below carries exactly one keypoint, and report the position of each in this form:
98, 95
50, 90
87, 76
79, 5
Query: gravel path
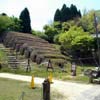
91, 94
71, 91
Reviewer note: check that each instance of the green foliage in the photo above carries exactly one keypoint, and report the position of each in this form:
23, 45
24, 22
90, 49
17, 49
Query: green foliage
53, 30
50, 31
63, 20
57, 25
74, 11
25, 21
65, 26
73, 32
76, 40
15, 25
67, 13
68, 36
5, 22
56, 39
57, 16
9, 23
84, 45
83, 42
39, 34
87, 22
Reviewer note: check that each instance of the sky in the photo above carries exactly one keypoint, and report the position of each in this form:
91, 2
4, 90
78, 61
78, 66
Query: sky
42, 11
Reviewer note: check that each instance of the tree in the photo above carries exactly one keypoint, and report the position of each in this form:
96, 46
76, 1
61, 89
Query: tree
75, 40
50, 31
4, 14
9, 23
66, 25
15, 25
25, 21
5, 23
79, 14
65, 13
87, 22
83, 45
57, 16
68, 36
74, 12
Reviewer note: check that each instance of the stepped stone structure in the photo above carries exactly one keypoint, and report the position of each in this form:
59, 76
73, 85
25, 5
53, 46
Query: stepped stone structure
33, 47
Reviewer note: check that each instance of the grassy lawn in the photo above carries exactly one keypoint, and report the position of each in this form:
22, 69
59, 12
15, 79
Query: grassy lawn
12, 90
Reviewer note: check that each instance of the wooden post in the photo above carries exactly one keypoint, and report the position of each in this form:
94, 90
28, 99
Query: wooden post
28, 65
46, 90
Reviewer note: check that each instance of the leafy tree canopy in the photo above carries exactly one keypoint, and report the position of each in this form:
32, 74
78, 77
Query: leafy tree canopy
15, 25
50, 31
5, 22
87, 22
9, 23
68, 36
76, 40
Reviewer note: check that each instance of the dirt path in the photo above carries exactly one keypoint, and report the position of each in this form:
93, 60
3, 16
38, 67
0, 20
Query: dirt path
71, 91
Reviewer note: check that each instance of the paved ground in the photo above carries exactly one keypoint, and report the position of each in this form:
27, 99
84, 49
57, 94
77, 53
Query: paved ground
71, 91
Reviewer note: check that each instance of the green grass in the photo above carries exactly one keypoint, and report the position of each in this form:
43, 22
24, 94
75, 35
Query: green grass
12, 90
2, 56
56, 46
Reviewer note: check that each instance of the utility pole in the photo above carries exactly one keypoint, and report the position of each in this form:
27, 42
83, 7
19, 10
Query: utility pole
98, 47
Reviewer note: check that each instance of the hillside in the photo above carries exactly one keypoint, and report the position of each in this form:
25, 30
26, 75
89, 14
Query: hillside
33, 47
